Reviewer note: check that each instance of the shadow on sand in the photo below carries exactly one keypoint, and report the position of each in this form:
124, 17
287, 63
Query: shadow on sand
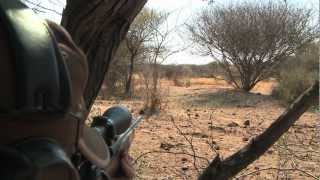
226, 98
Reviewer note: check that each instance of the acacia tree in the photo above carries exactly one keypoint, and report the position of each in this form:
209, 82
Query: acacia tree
249, 39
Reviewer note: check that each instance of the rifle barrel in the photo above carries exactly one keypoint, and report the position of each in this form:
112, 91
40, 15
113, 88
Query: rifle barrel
117, 146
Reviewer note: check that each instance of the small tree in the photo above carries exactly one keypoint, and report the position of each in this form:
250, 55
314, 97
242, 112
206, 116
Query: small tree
249, 39
139, 33
156, 52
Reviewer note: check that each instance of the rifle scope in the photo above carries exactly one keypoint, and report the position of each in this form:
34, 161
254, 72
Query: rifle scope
114, 121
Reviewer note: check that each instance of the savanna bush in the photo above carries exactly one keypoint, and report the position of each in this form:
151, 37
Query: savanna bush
298, 73
292, 83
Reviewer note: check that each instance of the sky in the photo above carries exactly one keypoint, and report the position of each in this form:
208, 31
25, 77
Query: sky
181, 13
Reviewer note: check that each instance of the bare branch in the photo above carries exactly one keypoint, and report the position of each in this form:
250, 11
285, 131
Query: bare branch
41, 8
278, 169
249, 39
229, 167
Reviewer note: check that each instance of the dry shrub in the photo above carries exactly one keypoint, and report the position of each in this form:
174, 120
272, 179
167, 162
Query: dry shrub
188, 83
299, 151
298, 73
154, 102
181, 82
177, 82
151, 92
292, 83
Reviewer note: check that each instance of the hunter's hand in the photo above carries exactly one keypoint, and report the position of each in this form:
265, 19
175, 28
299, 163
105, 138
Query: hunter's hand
122, 167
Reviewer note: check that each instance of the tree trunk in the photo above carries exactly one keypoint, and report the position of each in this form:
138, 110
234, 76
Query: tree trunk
98, 27
155, 77
129, 80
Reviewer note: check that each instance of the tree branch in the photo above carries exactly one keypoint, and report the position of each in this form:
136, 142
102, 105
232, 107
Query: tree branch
225, 169
43, 9
277, 169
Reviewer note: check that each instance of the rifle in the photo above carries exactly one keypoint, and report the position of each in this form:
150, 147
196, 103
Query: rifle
115, 126
42, 134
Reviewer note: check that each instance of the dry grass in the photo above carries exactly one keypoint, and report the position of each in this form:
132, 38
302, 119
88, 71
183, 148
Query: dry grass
215, 119
208, 81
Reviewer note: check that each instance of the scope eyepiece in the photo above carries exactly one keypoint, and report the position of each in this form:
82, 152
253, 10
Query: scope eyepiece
114, 121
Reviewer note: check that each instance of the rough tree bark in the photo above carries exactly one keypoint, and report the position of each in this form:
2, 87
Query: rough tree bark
229, 167
98, 27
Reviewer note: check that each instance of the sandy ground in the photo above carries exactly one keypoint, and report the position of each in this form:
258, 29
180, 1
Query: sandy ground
210, 118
